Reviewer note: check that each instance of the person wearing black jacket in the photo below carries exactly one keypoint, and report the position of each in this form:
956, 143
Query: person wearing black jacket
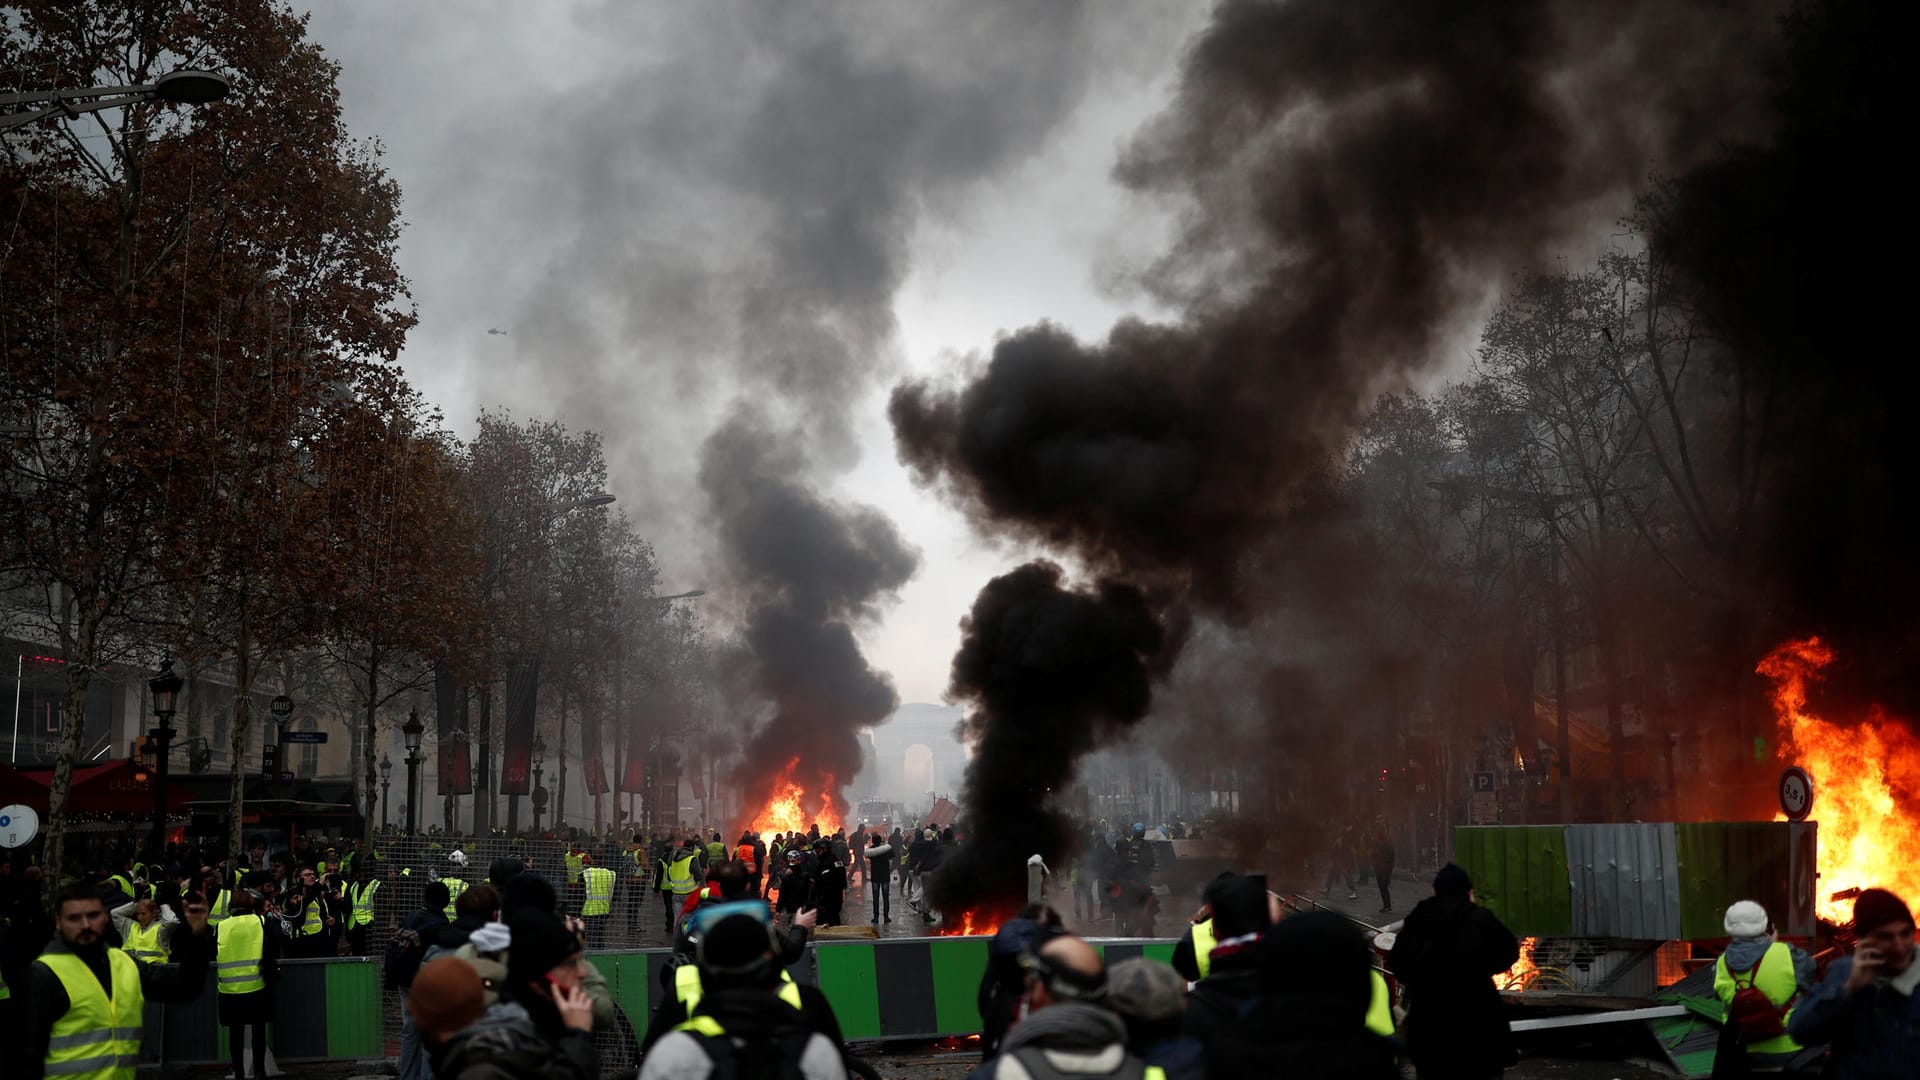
82, 924
1315, 979
732, 881
879, 859
422, 924
1445, 958
542, 1026
1242, 914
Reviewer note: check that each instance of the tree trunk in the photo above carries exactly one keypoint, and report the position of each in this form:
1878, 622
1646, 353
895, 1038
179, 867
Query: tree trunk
560, 786
1608, 643
483, 778
73, 729
367, 738
237, 740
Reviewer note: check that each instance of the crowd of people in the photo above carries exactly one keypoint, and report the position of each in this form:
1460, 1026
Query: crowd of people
495, 983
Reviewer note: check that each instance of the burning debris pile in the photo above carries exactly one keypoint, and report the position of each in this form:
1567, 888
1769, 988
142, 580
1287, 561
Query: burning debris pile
1867, 773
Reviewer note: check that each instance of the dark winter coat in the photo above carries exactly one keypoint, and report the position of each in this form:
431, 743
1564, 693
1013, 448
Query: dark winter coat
1446, 957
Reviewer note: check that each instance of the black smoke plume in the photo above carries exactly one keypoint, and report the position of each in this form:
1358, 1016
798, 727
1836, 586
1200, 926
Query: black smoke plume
1784, 243
813, 569
1352, 180
1046, 672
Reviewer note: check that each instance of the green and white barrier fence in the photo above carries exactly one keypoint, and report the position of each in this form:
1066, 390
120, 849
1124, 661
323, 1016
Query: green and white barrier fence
906, 988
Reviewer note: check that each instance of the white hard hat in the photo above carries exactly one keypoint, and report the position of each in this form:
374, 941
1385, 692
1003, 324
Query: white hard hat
458, 857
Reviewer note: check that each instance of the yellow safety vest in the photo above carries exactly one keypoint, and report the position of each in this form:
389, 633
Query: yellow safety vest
363, 904
217, 911
1774, 977
680, 876
454, 888
316, 922
97, 1038
1203, 941
144, 945
4, 992
126, 885
574, 866
687, 988
239, 946
599, 891
1380, 1009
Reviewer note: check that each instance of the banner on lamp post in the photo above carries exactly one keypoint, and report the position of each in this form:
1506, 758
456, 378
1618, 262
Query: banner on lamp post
450, 721
523, 685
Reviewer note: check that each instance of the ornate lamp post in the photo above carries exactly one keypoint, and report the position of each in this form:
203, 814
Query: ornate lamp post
386, 778
411, 731
165, 688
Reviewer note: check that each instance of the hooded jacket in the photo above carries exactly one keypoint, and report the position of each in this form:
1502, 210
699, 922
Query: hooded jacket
507, 1043
1071, 1037
1446, 957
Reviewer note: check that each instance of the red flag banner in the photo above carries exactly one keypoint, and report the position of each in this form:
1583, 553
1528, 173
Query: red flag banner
523, 686
450, 722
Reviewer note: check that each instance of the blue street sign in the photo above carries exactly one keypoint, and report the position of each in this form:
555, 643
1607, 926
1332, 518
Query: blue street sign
304, 736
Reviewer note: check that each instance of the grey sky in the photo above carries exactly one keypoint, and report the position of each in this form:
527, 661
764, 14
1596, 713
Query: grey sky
604, 181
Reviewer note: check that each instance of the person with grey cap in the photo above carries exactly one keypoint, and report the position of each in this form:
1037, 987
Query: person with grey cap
1759, 978
1869, 1006
1151, 998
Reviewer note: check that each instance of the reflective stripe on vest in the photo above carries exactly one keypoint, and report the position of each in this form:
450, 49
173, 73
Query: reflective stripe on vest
363, 904
1774, 977
97, 1038
239, 946
454, 888
144, 945
744, 853
1380, 1009
315, 923
599, 891
687, 989
1203, 946
680, 876
217, 911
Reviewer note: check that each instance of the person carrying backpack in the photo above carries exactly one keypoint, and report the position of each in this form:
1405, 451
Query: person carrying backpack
748, 1023
1759, 979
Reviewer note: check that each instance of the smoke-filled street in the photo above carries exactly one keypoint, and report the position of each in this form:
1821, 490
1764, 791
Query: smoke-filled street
1155, 539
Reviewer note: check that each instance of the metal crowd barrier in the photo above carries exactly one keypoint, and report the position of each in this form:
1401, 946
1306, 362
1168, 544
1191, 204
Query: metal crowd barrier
903, 988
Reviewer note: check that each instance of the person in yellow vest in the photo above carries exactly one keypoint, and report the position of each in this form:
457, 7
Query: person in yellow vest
455, 886
360, 913
737, 981
597, 904
679, 877
82, 1005
1759, 978
146, 929
246, 945
305, 908
575, 863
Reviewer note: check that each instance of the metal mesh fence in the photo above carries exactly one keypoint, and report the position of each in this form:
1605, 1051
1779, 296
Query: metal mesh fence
639, 919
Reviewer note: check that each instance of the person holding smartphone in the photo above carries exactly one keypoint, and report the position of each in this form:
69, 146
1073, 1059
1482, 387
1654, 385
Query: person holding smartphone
542, 1026
1868, 1007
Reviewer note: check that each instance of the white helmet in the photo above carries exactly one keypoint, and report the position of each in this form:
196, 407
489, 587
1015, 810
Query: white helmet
457, 857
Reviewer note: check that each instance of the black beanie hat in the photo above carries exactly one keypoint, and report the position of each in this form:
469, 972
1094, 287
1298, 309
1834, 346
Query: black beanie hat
540, 943
1875, 908
1239, 907
527, 891
1320, 954
1452, 881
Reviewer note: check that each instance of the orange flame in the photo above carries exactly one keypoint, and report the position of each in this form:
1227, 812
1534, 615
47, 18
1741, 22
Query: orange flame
785, 811
970, 923
1866, 783
1523, 970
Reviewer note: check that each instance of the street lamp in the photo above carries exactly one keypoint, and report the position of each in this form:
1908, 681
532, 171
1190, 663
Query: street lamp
539, 792
386, 777
165, 688
411, 731
186, 87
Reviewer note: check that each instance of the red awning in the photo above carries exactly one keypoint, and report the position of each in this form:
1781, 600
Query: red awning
96, 789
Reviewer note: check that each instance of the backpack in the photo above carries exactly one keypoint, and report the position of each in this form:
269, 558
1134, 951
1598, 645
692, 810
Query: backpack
774, 1057
1751, 1011
405, 950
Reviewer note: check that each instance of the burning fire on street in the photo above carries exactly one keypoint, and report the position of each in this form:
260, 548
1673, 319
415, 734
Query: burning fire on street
1523, 970
970, 923
785, 811
1867, 782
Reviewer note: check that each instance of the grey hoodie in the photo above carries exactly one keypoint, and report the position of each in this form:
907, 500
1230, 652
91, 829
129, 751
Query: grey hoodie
1084, 1040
